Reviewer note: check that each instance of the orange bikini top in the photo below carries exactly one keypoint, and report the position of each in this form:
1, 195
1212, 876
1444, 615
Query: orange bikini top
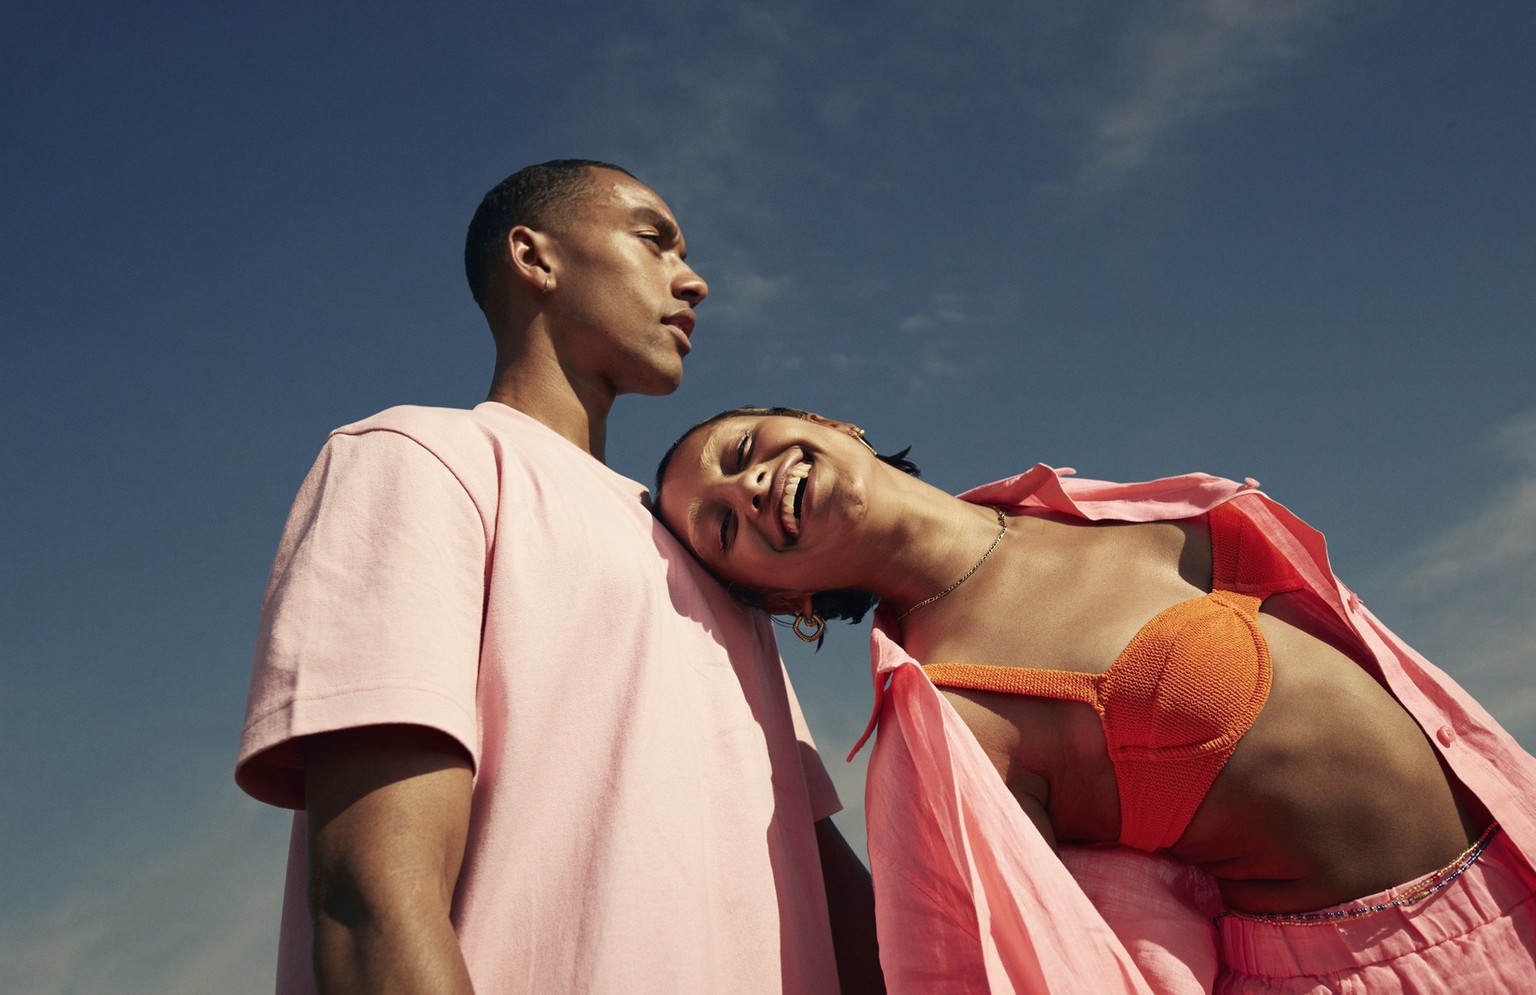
1179, 697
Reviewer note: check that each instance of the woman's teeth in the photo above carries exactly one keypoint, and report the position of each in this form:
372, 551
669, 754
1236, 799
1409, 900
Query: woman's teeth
792, 479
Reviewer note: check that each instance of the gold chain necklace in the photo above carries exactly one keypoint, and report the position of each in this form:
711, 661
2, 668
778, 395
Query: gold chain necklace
1002, 530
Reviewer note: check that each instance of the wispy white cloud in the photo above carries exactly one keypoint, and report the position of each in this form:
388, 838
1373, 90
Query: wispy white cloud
743, 297
925, 352
181, 909
935, 334
1190, 61
1469, 593
944, 314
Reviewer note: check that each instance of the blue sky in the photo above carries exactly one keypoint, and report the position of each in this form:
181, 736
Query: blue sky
1287, 240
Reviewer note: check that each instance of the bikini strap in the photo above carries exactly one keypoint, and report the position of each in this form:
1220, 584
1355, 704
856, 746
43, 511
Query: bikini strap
1244, 604
1068, 685
1242, 557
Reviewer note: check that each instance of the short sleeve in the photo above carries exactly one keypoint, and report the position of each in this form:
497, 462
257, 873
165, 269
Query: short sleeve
373, 611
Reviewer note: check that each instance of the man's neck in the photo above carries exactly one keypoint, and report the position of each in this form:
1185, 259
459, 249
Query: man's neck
580, 415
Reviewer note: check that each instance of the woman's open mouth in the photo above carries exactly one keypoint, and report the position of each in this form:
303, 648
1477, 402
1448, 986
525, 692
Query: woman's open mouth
794, 497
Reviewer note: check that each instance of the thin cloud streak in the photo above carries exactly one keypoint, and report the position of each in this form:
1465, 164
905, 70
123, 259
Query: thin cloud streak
744, 297
1470, 592
1203, 58
180, 911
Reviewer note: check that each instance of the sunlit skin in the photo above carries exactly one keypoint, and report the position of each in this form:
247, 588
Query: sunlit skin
620, 287
741, 493
1333, 794
596, 304
600, 304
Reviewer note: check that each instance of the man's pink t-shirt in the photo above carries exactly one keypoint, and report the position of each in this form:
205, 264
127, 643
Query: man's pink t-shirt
645, 788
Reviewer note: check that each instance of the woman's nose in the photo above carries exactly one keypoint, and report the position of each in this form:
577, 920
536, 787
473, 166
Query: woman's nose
752, 486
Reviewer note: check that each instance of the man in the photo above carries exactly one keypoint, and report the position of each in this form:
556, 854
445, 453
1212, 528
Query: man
535, 748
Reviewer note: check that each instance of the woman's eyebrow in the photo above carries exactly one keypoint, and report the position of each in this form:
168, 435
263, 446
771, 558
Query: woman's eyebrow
708, 451
691, 523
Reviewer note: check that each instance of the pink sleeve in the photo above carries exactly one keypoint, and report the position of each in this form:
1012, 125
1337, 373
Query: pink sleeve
373, 610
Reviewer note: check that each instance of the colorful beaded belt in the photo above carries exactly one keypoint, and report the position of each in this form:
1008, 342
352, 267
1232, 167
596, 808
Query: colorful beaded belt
1430, 884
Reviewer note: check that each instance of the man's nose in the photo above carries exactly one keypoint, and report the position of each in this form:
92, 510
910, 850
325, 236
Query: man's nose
690, 286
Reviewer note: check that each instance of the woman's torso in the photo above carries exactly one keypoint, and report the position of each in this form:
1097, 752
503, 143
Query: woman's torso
1333, 792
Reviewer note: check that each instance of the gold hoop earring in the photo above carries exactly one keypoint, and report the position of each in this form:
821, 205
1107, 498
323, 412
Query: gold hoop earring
546, 283
858, 433
814, 621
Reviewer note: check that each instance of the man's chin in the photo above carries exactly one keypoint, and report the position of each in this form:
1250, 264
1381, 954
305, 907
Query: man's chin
659, 385
652, 389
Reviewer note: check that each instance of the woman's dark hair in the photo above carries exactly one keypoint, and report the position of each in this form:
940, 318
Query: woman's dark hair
845, 603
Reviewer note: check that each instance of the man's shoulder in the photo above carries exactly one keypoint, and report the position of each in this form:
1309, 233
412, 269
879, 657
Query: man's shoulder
485, 428
485, 444
414, 418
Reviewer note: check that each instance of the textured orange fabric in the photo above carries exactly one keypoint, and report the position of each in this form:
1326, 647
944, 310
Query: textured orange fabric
1180, 696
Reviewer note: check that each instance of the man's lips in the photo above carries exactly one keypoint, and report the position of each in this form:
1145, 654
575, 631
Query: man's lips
683, 321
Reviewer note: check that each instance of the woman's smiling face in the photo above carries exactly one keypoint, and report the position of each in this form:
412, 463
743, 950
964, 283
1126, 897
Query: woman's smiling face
770, 502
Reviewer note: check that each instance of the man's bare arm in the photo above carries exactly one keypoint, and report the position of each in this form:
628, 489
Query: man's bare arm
388, 810
851, 907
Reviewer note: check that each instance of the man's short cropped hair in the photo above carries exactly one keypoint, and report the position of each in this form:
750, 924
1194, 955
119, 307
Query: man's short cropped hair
538, 197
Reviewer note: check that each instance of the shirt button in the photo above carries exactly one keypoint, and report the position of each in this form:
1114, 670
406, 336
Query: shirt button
1446, 735
1354, 600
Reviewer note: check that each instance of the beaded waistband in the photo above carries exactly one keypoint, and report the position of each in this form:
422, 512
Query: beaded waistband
1421, 889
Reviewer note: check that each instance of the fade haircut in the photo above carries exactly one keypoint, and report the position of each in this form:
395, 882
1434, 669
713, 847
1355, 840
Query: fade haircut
538, 197
846, 603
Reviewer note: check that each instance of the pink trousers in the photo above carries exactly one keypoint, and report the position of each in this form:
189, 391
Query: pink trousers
1475, 934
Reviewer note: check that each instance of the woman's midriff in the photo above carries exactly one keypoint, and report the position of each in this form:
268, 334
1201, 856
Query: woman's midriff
1335, 793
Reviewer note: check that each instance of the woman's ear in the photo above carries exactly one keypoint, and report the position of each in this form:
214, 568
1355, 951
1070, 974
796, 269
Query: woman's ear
847, 428
788, 602
841, 426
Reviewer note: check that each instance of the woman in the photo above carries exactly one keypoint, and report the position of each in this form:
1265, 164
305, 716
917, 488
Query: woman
1169, 666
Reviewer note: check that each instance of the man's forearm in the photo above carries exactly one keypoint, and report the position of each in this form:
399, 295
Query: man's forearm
408, 957
388, 817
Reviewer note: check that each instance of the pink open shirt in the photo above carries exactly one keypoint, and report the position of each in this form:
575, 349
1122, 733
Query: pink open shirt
970, 898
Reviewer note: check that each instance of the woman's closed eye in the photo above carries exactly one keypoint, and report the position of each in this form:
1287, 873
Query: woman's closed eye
728, 517
741, 451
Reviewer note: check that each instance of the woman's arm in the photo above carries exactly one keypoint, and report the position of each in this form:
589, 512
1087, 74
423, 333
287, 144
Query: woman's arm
999, 739
851, 909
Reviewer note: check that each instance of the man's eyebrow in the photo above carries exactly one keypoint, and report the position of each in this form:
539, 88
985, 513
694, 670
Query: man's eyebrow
664, 225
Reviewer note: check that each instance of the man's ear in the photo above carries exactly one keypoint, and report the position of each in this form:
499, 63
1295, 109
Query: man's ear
531, 257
